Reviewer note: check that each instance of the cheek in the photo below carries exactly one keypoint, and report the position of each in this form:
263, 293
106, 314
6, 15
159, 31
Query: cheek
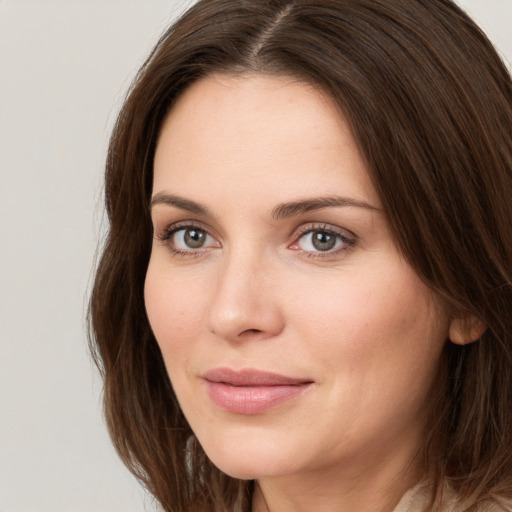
175, 311
383, 320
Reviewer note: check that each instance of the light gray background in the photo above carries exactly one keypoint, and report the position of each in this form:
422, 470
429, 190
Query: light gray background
64, 68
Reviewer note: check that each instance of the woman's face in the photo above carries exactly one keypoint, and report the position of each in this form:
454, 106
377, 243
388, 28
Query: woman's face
296, 337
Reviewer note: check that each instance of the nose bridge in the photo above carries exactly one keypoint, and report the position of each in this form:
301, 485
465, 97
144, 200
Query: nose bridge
243, 302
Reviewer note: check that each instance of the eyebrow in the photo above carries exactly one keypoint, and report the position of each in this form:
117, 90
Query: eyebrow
179, 202
281, 211
300, 207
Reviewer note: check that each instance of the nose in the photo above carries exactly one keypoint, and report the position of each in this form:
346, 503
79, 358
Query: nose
245, 302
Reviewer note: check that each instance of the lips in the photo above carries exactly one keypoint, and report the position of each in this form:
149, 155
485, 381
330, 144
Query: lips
251, 391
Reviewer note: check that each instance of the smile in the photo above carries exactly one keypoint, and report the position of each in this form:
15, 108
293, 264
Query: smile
251, 391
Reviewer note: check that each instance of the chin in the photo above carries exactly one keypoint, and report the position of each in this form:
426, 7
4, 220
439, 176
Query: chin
250, 460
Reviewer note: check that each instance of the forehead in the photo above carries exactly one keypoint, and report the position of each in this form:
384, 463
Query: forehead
254, 133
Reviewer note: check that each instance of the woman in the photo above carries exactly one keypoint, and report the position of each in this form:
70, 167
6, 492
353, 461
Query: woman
304, 300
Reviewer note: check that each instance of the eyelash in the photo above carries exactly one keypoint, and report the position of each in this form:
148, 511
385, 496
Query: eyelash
348, 240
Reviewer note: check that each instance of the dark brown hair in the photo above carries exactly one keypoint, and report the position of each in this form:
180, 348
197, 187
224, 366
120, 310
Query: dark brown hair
430, 104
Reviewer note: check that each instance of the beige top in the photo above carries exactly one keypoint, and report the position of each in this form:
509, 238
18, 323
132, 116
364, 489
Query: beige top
417, 498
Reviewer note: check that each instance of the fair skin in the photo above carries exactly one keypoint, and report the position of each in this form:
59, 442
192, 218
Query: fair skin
240, 280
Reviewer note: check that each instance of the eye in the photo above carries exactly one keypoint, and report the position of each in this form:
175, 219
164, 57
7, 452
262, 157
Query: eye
322, 240
189, 239
319, 240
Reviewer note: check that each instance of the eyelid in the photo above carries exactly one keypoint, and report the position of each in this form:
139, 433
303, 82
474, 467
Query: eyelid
168, 230
323, 226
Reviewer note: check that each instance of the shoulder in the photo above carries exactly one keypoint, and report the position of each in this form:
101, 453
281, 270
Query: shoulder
418, 499
414, 499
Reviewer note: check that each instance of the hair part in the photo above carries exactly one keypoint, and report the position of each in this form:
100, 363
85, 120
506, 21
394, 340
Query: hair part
430, 105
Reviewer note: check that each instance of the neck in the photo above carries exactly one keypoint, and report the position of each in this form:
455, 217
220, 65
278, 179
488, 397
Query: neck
376, 486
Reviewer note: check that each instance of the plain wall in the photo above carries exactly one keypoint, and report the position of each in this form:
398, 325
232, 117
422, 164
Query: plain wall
64, 68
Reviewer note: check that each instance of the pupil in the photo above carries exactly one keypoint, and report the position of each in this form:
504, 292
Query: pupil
323, 241
194, 238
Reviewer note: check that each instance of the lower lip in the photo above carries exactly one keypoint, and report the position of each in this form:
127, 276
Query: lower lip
252, 399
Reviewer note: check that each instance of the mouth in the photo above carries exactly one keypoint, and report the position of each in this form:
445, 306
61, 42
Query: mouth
251, 391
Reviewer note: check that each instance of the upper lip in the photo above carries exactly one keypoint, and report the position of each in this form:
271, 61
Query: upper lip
251, 377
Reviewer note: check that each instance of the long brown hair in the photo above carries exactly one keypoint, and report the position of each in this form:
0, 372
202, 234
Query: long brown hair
430, 104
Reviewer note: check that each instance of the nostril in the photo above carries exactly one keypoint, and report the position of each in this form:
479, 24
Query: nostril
249, 331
